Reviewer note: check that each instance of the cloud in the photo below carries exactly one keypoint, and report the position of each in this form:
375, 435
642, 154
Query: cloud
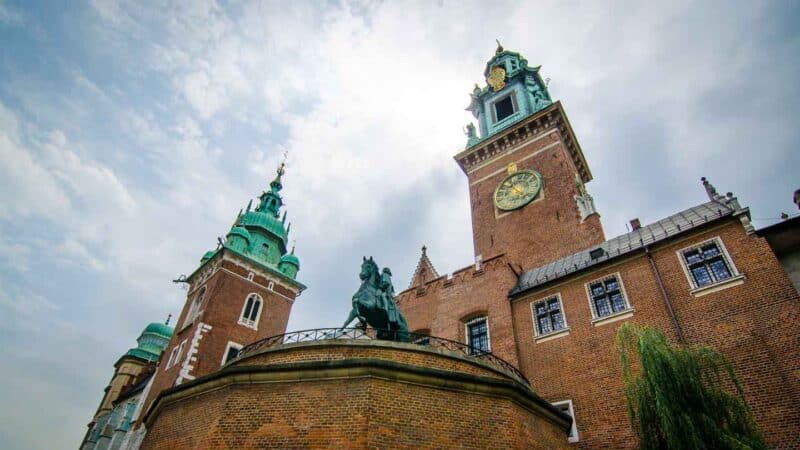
133, 137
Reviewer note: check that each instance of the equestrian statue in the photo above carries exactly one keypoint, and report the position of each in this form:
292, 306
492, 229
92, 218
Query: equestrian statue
373, 303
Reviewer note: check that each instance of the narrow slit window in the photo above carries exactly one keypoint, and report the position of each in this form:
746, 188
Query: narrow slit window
478, 336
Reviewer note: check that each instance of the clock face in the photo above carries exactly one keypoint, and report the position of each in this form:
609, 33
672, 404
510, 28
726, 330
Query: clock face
517, 190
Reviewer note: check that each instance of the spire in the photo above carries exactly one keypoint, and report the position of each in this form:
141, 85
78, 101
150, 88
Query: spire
271, 200
424, 271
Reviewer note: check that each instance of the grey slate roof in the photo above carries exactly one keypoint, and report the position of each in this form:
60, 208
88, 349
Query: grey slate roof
627, 243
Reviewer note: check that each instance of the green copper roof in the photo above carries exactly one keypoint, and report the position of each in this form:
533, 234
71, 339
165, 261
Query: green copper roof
151, 342
160, 329
208, 255
261, 234
239, 231
290, 258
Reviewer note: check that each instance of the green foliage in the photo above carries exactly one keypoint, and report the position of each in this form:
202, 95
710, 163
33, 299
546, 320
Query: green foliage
683, 397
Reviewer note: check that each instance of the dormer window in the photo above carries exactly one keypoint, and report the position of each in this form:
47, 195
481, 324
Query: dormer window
505, 107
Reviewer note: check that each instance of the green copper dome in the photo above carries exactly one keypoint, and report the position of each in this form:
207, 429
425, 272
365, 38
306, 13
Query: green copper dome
152, 342
290, 258
160, 329
239, 231
266, 221
260, 234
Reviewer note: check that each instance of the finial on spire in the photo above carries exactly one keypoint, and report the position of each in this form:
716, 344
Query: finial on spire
711, 191
499, 47
169, 316
424, 249
294, 242
249, 205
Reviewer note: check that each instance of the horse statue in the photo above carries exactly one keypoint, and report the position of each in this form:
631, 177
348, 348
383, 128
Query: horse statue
373, 303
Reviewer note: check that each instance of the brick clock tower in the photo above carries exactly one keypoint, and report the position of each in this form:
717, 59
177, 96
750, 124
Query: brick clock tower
241, 292
526, 171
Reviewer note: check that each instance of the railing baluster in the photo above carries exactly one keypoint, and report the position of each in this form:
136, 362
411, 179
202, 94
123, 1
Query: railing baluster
321, 334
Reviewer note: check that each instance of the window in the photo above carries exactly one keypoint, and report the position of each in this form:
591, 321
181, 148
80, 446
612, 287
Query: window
194, 308
251, 311
707, 263
478, 336
231, 352
504, 108
548, 316
607, 296
175, 355
250, 276
271, 285
567, 408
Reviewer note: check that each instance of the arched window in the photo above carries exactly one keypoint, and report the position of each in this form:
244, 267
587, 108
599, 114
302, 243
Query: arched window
251, 311
194, 308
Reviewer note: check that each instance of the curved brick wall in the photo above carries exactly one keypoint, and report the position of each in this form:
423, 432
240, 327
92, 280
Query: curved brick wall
354, 394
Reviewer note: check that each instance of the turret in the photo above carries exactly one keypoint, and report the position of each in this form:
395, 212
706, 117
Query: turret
290, 264
513, 91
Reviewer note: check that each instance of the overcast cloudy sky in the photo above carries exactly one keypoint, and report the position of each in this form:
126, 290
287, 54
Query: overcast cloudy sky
132, 132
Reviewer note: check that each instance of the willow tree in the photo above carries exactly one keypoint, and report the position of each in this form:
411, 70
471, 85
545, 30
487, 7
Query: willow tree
683, 397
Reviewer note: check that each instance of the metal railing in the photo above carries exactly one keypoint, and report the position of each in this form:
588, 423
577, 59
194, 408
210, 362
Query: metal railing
324, 334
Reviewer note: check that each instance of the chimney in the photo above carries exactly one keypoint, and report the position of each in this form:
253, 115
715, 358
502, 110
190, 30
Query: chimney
635, 224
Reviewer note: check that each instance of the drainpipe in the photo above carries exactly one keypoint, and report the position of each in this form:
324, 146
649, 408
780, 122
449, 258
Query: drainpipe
667, 302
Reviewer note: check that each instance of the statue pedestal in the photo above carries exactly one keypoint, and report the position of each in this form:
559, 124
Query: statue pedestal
341, 393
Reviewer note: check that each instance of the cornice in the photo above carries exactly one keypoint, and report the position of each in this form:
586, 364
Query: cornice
518, 134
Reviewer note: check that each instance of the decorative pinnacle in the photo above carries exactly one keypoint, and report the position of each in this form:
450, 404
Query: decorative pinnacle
499, 47
711, 191
169, 316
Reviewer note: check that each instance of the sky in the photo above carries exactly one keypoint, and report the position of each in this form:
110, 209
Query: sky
131, 133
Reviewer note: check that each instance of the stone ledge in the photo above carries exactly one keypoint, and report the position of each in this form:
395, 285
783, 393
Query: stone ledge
472, 360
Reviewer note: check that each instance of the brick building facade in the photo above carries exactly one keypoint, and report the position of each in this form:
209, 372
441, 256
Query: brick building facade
548, 291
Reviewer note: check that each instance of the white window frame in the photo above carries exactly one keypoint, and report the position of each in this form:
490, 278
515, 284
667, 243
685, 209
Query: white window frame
247, 322
488, 332
511, 95
563, 331
250, 276
736, 277
194, 308
175, 355
573, 437
230, 345
271, 285
614, 316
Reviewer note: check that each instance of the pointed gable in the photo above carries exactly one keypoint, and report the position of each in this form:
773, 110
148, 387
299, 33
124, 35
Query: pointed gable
425, 271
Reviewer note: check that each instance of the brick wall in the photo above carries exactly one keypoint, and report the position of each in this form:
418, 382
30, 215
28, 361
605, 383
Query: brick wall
443, 305
755, 324
344, 411
227, 288
549, 227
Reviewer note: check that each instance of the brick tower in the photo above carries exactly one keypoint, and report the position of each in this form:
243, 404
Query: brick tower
241, 292
526, 171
